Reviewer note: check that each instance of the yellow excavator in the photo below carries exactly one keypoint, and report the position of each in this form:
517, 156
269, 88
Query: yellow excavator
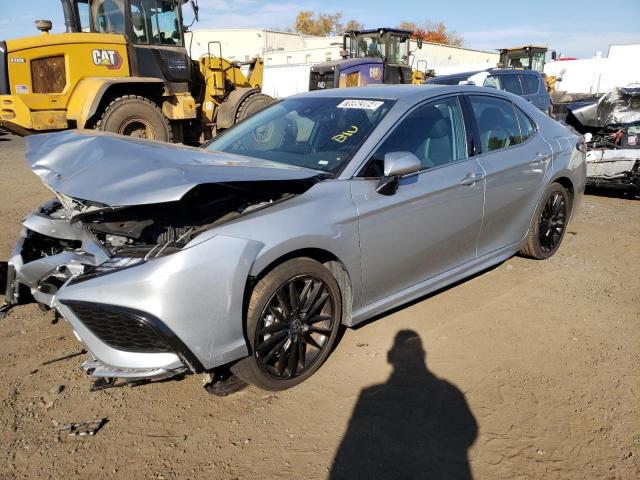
122, 67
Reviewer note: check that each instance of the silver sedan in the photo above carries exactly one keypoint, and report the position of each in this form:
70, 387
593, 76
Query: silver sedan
323, 210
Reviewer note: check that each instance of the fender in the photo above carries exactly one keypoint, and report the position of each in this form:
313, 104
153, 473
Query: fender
81, 110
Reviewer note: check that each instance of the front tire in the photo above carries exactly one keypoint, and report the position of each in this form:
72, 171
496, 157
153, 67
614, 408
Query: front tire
549, 223
293, 319
135, 116
252, 104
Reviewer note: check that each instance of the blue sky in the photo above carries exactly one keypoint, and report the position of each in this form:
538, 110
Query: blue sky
574, 28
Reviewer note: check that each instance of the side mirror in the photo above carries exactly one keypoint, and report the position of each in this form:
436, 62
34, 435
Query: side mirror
554, 55
396, 165
196, 9
419, 43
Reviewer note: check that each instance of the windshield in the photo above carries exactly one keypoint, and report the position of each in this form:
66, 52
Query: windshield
389, 47
318, 133
520, 59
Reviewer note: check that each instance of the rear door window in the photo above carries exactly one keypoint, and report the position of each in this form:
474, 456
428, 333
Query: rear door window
527, 127
496, 122
530, 84
511, 83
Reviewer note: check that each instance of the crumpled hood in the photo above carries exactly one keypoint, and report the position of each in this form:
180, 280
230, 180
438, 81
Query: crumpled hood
122, 171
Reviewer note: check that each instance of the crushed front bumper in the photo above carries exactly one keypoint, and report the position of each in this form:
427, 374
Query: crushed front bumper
611, 168
175, 313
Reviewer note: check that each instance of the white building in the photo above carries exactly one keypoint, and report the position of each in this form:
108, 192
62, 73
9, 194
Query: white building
288, 56
599, 74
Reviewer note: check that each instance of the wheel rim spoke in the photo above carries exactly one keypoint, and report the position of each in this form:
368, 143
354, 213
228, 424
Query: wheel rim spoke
273, 328
277, 349
312, 297
318, 304
294, 299
281, 365
266, 345
321, 331
311, 341
276, 313
318, 318
293, 357
282, 299
302, 352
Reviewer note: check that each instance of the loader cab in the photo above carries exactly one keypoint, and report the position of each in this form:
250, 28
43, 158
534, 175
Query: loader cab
154, 32
369, 57
391, 45
528, 57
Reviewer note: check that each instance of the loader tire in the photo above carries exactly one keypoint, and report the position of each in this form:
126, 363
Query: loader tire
135, 116
252, 104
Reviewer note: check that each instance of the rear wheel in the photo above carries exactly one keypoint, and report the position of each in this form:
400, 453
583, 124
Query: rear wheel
292, 321
549, 223
135, 116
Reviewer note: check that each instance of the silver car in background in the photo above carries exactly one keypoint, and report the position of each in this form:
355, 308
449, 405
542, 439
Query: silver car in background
325, 209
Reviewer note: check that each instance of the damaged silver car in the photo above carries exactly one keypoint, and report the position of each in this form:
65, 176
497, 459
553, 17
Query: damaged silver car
611, 126
323, 210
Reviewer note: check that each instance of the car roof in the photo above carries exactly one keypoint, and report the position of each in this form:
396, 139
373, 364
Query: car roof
456, 75
512, 71
384, 92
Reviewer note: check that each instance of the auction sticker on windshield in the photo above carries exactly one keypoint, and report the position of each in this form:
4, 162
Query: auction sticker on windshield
363, 104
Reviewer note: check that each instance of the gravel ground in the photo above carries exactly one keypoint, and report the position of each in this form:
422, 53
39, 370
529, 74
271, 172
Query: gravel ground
529, 370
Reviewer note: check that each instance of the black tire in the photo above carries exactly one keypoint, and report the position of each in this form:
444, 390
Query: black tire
289, 344
549, 223
252, 104
135, 116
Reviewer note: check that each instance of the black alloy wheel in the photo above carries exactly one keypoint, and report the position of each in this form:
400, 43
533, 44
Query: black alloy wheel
292, 321
296, 326
549, 223
553, 221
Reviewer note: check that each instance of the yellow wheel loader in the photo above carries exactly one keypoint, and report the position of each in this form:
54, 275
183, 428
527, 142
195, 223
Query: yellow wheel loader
122, 67
529, 57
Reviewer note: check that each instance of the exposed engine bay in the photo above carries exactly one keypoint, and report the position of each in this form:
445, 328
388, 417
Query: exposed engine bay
67, 240
123, 201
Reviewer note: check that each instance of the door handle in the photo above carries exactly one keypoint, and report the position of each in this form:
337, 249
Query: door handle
471, 179
540, 158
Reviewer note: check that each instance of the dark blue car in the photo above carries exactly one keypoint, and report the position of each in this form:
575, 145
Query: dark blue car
527, 83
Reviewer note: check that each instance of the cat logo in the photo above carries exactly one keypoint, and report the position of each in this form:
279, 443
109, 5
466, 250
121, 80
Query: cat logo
107, 58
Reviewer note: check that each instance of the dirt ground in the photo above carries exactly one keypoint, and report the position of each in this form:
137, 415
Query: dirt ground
529, 370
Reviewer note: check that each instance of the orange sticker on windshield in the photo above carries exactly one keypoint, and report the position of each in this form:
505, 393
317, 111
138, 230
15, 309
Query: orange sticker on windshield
343, 136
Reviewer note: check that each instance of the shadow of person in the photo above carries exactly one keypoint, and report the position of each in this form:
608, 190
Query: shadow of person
414, 426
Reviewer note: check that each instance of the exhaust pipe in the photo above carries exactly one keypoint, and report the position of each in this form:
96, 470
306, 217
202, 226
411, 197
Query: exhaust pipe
69, 17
